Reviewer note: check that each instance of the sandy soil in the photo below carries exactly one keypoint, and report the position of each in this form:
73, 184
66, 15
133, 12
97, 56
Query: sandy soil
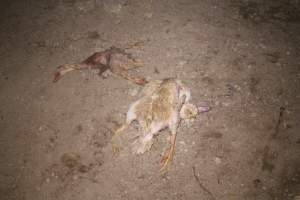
239, 57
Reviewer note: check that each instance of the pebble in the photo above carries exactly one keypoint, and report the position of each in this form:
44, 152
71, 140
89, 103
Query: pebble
218, 160
226, 104
182, 63
149, 15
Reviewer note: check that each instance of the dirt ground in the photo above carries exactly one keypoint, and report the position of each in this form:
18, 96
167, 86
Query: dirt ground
240, 57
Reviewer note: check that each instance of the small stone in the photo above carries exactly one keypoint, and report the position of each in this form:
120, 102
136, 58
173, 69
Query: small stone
182, 63
149, 15
237, 87
226, 104
218, 160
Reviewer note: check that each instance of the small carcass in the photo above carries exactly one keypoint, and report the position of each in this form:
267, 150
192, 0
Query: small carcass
163, 103
114, 59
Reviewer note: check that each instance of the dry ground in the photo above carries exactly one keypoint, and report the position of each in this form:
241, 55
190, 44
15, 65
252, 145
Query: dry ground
240, 57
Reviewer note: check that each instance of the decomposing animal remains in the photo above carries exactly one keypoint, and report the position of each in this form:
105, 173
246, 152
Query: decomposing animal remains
114, 59
163, 103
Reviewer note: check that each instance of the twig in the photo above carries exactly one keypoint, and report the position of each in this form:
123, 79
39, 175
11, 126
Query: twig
94, 180
201, 185
279, 121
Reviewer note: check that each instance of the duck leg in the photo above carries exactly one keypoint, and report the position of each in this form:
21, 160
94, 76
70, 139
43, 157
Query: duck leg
168, 155
124, 74
120, 64
117, 133
63, 69
98, 60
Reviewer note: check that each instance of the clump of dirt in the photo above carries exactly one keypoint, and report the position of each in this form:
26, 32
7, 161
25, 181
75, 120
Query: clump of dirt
70, 167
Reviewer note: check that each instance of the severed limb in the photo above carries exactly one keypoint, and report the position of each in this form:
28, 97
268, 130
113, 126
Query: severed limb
124, 74
98, 60
168, 155
115, 59
116, 134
